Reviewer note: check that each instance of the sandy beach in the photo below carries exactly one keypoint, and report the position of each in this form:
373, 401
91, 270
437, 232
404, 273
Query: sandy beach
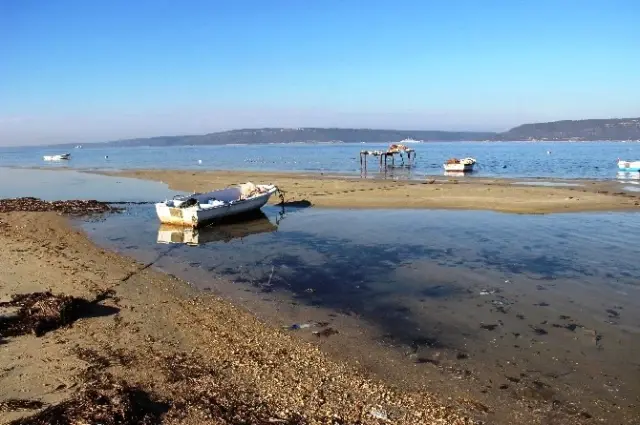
149, 345
197, 358
292, 213
503, 195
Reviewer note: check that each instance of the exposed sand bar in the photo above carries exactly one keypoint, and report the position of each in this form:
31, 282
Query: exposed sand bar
504, 195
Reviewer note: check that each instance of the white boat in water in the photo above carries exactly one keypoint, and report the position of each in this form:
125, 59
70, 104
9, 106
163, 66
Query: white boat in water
60, 157
455, 164
199, 209
629, 166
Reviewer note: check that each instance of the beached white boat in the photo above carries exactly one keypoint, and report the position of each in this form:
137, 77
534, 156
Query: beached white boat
455, 164
629, 166
57, 157
199, 209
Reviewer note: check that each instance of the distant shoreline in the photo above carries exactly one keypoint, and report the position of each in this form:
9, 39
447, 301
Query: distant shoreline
107, 145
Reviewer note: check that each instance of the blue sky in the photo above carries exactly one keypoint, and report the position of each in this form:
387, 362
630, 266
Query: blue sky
82, 71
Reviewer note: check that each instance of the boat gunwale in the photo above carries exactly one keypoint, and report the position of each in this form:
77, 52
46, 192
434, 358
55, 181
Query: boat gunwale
197, 207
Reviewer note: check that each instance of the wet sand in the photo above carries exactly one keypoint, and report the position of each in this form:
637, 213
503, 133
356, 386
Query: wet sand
503, 195
197, 357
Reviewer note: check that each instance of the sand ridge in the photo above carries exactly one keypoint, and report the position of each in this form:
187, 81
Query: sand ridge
501, 195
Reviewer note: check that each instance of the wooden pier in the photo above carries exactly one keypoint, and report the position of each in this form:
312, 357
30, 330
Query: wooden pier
384, 156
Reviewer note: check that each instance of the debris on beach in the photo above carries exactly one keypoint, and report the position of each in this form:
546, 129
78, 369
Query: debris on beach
102, 400
307, 325
38, 313
72, 207
327, 332
296, 326
14, 404
490, 327
379, 413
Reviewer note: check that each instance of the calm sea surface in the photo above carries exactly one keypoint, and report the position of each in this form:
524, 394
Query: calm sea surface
546, 307
502, 159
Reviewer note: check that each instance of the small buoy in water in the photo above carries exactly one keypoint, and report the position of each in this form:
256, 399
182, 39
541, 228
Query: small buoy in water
199, 161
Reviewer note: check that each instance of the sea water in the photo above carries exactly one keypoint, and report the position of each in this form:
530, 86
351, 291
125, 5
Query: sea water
596, 160
551, 301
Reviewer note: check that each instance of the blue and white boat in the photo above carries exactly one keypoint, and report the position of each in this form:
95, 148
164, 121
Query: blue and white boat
200, 209
629, 166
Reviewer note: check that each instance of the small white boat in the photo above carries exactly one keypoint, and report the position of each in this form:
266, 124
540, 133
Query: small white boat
60, 157
629, 166
199, 209
455, 164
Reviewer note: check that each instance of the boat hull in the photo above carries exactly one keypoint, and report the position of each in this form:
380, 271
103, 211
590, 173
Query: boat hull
63, 157
629, 166
459, 167
195, 216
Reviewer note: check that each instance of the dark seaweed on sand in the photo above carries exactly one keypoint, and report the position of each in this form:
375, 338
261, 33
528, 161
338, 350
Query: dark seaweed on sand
42, 312
325, 333
102, 400
38, 313
73, 207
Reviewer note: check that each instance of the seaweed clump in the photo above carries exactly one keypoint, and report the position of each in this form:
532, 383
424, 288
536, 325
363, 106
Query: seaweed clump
102, 400
40, 312
72, 207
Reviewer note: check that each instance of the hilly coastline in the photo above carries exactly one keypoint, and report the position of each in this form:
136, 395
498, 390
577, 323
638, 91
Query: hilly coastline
593, 129
568, 130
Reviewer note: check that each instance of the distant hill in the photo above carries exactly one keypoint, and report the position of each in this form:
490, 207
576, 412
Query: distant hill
595, 129
592, 129
289, 135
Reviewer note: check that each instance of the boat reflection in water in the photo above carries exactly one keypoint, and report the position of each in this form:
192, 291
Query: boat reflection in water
628, 175
223, 231
457, 173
